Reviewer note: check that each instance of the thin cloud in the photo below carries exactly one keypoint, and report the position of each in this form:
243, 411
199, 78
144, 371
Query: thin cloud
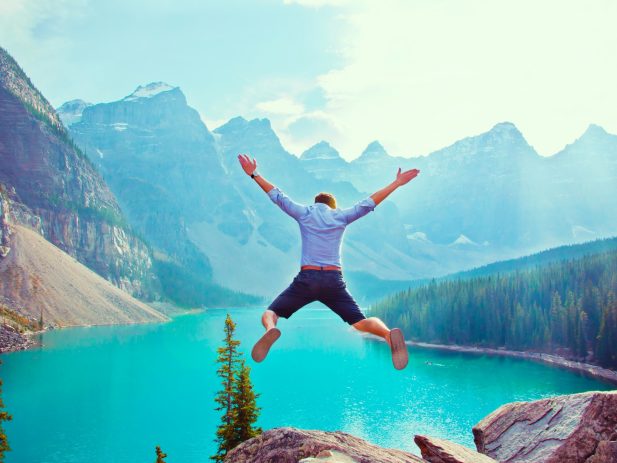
285, 106
420, 75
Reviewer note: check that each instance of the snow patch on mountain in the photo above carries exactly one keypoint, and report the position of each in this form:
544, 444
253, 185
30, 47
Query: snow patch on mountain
149, 90
418, 236
71, 111
462, 240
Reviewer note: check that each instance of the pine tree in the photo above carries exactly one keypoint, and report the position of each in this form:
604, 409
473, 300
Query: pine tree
4, 416
602, 348
160, 455
228, 359
582, 335
245, 406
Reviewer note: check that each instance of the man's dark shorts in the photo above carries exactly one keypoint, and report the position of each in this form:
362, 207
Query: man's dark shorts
325, 286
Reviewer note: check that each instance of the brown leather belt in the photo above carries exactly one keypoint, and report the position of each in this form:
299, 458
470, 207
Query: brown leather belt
318, 267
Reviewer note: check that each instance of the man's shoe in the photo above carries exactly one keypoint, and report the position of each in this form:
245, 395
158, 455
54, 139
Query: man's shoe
261, 347
400, 356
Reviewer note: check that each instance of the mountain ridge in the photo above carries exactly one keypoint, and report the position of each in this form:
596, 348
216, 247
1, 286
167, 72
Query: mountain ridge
482, 187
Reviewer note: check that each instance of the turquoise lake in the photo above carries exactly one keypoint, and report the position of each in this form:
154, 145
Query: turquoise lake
104, 394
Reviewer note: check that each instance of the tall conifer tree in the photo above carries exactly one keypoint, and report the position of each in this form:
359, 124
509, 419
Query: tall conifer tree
237, 399
160, 455
245, 406
228, 360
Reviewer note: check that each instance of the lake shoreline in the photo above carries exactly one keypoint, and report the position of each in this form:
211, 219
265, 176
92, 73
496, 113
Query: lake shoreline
587, 369
11, 340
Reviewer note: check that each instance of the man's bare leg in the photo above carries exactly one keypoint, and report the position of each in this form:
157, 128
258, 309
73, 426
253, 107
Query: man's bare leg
261, 347
393, 337
269, 319
374, 326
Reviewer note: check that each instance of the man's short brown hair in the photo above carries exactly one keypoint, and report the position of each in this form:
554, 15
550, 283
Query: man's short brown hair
326, 198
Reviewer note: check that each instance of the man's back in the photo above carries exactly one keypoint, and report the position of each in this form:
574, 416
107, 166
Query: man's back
321, 227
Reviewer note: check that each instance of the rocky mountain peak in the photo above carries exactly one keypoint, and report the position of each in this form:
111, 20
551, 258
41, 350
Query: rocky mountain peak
152, 106
505, 127
504, 132
240, 123
321, 150
150, 90
595, 143
502, 141
71, 111
258, 130
373, 152
594, 132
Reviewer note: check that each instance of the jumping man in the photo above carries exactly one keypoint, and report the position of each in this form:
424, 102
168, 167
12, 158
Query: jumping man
320, 279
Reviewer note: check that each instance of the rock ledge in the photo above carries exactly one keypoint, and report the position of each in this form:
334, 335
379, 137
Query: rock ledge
289, 445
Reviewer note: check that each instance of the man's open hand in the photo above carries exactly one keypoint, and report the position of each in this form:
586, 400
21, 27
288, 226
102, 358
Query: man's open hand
405, 177
249, 166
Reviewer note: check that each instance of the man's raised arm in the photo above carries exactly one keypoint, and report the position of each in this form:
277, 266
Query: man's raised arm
402, 178
367, 205
250, 168
279, 198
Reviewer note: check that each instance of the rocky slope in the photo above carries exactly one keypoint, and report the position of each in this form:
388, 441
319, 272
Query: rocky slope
436, 450
58, 189
37, 278
577, 428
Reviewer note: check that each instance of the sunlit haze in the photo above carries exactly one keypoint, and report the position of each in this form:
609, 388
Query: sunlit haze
416, 75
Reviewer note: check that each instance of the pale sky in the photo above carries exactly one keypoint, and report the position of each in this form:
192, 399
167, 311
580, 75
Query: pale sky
415, 74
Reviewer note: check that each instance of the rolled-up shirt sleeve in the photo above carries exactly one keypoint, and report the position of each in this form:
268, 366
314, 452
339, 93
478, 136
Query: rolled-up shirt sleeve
360, 209
288, 206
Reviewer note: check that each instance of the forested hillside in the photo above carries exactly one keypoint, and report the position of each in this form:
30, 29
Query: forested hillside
569, 251
567, 307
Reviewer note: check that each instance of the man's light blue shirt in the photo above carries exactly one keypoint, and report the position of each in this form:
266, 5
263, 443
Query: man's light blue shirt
321, 226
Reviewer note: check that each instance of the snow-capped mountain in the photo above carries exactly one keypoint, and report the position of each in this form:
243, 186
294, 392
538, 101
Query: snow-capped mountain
70, 112
149, 91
